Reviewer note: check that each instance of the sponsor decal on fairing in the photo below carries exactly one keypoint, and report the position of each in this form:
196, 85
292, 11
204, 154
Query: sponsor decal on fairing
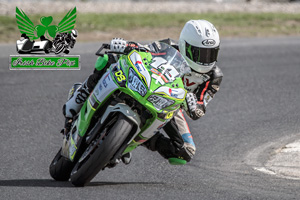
136, 60
177, 93
135, 83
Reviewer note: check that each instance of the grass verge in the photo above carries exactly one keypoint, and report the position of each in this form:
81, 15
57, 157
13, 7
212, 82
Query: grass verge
101, 27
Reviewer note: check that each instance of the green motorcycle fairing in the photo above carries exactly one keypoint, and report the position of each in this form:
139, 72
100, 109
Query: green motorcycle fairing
151, 79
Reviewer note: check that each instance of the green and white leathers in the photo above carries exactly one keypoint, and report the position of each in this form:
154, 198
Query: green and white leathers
132, 101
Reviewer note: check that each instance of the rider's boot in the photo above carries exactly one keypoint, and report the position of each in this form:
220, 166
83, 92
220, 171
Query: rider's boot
168, 148
126, 158
77, 96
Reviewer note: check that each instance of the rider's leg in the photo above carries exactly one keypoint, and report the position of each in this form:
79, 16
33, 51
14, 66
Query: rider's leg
74, 104
179, 133
179, 144
185, 132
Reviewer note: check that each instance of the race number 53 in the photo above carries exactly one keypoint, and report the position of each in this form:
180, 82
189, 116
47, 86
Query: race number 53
120, 76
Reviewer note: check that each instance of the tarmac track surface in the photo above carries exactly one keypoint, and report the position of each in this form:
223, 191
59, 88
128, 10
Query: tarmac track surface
255, 112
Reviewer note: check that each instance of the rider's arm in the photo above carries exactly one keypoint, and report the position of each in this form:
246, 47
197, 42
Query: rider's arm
206, 91
197, 101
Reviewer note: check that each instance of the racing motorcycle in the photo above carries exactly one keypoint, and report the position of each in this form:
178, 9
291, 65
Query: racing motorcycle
132, 101
62, 43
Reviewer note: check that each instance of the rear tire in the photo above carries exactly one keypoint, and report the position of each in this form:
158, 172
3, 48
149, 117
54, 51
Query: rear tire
103, 151
60, 167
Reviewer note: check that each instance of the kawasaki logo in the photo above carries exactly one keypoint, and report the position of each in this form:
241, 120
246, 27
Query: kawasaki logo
209, 42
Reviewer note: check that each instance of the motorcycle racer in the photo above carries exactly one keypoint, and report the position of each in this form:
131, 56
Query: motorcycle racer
199, 44
69, 38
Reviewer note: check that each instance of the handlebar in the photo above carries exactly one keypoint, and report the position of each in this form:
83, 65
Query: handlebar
126, 51
103, 46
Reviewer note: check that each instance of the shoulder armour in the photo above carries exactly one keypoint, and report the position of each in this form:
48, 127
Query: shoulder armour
216, 79
217, 72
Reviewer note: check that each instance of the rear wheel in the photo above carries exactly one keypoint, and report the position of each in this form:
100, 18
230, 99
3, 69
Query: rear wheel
101, 151
60, 168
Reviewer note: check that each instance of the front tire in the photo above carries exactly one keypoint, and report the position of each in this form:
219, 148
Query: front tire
60, 167
59, 48
102, 152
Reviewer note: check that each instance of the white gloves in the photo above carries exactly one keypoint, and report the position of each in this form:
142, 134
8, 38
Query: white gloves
118, 44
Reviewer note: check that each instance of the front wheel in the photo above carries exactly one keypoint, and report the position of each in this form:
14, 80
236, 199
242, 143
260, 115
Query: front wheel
60, 167
59, 48
101, 151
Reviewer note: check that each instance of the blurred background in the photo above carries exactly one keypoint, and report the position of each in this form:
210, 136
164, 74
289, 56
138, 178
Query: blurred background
100, 20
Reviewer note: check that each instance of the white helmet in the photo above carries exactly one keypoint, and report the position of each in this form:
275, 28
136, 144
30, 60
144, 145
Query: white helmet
74, 34
199, 44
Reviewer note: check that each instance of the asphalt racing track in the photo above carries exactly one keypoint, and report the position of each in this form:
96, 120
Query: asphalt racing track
256, 112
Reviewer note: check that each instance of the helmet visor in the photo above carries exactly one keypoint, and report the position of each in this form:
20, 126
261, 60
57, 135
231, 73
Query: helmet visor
201, 55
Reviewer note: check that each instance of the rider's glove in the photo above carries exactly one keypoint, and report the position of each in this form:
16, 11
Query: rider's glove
194, 110
117, 44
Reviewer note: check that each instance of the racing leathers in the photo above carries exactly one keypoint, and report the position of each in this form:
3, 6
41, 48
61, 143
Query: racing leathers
179, 143
201, 88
